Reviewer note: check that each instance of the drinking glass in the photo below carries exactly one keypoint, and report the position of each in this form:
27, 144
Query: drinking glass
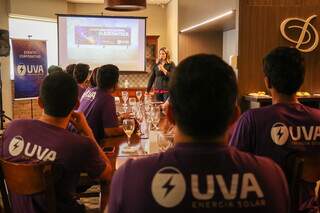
125, 96
139, 115
155, 116
128, 127
139, 95
132, 102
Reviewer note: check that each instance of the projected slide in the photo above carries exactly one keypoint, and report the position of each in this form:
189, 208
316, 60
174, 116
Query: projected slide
102, 40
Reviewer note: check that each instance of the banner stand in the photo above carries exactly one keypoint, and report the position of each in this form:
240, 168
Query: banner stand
2, 112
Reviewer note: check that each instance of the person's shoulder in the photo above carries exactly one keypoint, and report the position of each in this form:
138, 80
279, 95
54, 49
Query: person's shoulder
141, 165
251, 161
311, 110
20, 122
258, 113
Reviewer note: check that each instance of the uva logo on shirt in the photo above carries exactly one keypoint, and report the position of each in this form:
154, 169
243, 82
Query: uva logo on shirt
169, 188
280, 134
18, 146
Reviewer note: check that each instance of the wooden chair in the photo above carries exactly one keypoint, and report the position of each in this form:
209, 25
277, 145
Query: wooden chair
303, 169
27, 179
293, 171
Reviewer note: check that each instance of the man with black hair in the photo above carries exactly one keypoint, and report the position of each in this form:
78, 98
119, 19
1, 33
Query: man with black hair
80, 73
98, 104
70, 69
285, 127
200, 173
47, 139
53, 69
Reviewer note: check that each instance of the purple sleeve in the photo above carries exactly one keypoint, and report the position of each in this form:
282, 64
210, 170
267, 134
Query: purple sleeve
95, 165
116, 192
243, 136
109, 114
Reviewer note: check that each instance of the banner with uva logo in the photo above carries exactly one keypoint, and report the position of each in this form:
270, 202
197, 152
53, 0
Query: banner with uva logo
30, 66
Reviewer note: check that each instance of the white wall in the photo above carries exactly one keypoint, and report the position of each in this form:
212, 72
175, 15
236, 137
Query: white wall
172, 29
194, 11
230, 44
5, 63
38, 8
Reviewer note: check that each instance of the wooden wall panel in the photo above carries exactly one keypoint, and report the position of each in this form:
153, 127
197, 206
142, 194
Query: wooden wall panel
200, 42
259, 32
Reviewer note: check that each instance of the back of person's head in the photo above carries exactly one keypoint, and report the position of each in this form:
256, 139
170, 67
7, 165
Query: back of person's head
70, 69
53, 69
81, 72
93, 77
59, 94
108, 76
203, 94
284, 68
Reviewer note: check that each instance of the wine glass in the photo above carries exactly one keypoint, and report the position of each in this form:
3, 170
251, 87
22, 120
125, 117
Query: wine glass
139, 115
128, 127
125, 96
147, 98
139, 95
155, 116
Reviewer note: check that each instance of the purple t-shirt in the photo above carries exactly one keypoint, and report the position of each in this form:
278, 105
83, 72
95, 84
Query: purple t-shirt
195, 177
277, 130
100, 111
33, 140
81, 90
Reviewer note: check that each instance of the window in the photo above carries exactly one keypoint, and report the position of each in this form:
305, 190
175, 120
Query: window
23, 28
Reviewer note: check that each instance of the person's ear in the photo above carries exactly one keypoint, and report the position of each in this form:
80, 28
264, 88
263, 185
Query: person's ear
267, 82
40, 103
77, 105
170, 115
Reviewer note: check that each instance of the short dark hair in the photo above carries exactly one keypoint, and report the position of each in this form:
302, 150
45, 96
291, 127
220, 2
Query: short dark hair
81, 72
284, 68
108, 76
53, 69
70, 69
203, 95
59, 94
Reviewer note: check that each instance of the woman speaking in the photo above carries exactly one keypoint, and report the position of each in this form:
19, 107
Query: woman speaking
161, 74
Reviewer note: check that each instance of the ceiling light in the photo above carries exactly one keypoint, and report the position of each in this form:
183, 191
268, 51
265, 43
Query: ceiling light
207, 21
125, 5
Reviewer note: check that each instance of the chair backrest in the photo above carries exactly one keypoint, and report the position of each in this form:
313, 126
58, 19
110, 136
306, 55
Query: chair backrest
27, 179
302, 168
311, 168
294, 172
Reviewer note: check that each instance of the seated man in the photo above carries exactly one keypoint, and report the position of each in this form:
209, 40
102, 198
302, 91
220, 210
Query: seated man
286, 126
201, 173
98, 104
81, 72
47, 139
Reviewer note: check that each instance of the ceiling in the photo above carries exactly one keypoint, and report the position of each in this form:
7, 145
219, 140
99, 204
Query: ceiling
159, 2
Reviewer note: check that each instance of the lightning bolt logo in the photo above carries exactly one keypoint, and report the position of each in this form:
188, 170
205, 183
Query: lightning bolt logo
15, 146
280, 133
168, 186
